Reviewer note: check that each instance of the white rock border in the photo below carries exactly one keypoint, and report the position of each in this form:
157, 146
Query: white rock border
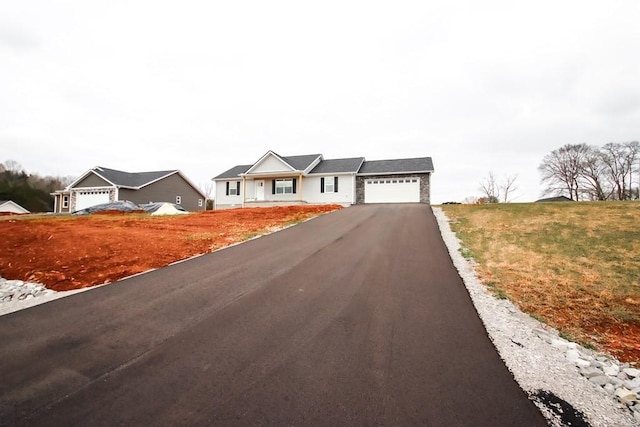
539, 359
17, 295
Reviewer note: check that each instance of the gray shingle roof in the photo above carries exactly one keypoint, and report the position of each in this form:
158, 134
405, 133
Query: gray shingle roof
234, 172
338, 165
421, 164
130, 179
300, 162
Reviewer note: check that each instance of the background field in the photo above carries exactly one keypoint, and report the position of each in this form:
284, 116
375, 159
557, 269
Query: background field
575, 266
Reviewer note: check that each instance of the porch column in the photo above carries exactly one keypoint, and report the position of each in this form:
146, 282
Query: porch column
244, 190
300, 186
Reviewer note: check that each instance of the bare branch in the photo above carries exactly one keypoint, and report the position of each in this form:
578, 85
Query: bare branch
490, 188
508, 186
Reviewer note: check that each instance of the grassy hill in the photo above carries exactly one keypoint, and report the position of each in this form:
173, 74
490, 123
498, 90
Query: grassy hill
574, 266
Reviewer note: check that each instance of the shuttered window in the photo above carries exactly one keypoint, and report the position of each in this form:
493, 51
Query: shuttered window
284, 186
329, 184
233, 188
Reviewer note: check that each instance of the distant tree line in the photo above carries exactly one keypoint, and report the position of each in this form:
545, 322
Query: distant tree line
586, 172
31, 191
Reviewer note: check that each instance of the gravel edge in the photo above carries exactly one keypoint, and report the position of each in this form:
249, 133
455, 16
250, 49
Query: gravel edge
535, 364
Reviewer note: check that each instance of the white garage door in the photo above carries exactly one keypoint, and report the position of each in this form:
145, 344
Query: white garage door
392, 190
87, 199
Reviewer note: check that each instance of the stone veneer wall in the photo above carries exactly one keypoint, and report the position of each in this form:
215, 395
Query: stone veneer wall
425, 185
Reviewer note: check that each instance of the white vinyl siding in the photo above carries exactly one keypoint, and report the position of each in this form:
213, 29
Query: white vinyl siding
392, 190
271, 164
312, 186
221, 196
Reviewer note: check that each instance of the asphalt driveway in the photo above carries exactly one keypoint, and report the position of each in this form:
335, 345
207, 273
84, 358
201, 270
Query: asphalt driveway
354, 318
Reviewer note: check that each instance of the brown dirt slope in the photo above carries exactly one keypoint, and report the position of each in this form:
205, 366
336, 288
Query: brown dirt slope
69, 252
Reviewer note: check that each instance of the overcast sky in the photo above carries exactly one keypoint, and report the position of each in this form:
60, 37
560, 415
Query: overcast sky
204, 86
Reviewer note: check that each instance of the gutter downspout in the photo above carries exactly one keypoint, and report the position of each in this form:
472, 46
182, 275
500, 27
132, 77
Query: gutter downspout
354, 197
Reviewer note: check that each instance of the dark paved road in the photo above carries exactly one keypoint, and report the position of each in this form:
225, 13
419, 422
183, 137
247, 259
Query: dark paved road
356, 318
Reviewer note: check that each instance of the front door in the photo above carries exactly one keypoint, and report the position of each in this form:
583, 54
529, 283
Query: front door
260, 190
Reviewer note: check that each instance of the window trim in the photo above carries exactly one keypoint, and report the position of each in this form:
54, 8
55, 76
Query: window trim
65, 202
291, 186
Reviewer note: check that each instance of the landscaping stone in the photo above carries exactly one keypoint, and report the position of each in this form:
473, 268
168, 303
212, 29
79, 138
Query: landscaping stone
612, 370
600, 380
626, 396
632, 384
559, 344
632, 372
590, 372
581, 363
573, 356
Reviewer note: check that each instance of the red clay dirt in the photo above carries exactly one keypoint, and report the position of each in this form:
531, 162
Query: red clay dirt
72, 252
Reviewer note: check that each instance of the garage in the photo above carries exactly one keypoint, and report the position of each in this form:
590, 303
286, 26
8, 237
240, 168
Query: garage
392, 190
85, 199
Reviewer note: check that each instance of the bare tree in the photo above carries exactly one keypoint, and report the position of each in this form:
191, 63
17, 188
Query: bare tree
560, 170
619, 160
592, 171
632, 157
12, 166
490, 188
207, 189
508, 186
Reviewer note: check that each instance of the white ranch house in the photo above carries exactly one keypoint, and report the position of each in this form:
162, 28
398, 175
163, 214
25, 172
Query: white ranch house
275, 179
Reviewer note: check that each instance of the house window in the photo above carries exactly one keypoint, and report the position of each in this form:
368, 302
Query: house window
65, 202
284, 186
233, 188
178, 200
200, 202
329, 184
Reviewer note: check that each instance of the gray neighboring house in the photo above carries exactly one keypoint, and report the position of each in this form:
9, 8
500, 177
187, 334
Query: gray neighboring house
102, 185
275, 179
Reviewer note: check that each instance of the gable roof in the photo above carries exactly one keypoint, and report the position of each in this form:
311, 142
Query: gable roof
356, 165
555, 199
338, 165
16, 206
396, 166
295, 163
301, 162
133, 180
234, 172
